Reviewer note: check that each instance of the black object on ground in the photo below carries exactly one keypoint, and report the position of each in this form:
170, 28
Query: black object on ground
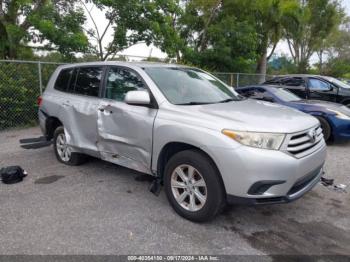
36, 145
35, 142
12, 174
32, 140
156, 186
327, 181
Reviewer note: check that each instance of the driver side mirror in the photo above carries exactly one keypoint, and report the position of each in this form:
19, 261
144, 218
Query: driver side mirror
262, 97
268, 99
139, 97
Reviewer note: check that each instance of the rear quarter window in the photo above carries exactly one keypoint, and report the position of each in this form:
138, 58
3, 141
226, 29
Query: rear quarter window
63, 79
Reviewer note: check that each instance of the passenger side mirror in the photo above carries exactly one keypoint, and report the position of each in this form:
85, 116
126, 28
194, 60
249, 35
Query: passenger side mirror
139, 97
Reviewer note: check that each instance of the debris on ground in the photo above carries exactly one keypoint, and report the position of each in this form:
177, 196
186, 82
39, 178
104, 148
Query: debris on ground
12, 174
327, 182
340, 187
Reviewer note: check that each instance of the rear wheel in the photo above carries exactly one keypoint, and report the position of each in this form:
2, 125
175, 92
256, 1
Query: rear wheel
193, 186
326, 128
63, 151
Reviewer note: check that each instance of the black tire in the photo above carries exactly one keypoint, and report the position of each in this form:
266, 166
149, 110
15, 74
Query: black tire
326, 128
75, 158
215, 192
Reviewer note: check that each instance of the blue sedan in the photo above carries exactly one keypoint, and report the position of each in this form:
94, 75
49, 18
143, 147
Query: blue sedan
334, 118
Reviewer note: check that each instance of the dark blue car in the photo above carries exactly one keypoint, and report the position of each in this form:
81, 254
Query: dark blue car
334, 118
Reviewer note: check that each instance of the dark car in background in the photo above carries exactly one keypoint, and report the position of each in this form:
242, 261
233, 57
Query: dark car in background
334, 118
315, 87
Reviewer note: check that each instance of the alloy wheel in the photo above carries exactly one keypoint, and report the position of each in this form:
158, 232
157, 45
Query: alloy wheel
188, 187
64, 151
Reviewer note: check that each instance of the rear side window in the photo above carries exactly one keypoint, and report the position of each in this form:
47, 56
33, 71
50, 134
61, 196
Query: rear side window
88, 81
293, 81
276, 80
63, 79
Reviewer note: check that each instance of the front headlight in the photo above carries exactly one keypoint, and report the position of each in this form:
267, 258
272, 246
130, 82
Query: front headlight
340, 114
260, 140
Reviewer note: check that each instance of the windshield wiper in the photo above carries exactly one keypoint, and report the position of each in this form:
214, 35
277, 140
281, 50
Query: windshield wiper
227, 100
194, 103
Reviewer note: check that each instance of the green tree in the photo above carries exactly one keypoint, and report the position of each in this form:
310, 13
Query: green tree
215, 38
307, 24
56, 25
132, 22
265, 16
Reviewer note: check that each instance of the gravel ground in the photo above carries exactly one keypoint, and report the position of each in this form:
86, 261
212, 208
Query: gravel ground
103, 209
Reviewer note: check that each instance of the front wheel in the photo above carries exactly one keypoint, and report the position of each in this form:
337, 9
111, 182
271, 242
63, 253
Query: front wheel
326, 128
193, 186
63, 151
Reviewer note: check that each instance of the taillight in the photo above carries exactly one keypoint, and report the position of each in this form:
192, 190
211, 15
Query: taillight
39, 101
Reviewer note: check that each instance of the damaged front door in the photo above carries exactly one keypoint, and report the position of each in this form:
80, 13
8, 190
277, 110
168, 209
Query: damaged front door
125, 131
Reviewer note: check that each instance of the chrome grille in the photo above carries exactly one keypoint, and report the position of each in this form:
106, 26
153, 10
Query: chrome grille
305, 143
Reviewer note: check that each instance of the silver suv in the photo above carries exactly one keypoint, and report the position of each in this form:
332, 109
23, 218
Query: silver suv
203, 142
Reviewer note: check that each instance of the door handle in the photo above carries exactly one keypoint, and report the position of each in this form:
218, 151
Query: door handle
104, 109
67, 103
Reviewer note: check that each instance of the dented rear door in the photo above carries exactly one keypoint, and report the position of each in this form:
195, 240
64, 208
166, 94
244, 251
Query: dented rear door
80, 109
125, 132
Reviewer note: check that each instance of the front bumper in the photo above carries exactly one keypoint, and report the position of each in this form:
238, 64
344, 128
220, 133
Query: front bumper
287, 177
300, 188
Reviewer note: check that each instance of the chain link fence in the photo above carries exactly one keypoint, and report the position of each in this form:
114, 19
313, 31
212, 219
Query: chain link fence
242, 79
22, 82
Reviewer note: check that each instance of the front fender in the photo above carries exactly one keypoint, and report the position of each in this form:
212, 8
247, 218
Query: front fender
167, 131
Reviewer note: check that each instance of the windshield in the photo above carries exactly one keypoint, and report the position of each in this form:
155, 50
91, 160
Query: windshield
183, 86
337, 82
285, 95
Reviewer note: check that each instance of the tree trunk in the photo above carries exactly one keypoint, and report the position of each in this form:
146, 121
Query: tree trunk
302, 66
262, 67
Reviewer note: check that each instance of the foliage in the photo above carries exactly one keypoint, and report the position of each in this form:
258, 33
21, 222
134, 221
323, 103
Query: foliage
55, 25
281, 65
215, 39
265, 16
132, 22
307, 24
337, 67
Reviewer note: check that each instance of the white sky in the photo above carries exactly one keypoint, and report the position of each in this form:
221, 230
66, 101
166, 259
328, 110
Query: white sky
145, 51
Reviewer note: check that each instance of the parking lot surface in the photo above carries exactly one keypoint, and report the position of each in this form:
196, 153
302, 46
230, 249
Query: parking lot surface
103, 209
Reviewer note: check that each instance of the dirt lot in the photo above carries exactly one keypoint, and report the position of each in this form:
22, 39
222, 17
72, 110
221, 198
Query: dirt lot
100, 208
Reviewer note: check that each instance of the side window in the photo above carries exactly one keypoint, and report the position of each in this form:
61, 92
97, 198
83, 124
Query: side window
120, 81
254, 93
293, 81
63, 79
316, 84
245, 92
88, 81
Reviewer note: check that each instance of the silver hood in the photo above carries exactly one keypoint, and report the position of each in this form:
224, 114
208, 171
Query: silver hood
246, 115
